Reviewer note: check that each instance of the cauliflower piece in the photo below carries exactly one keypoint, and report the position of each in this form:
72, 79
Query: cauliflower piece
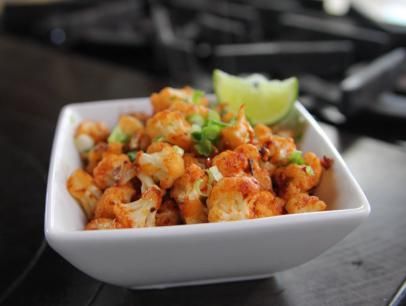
187, 191
303, 202
189, 108
164, 165
127, 126
244, 160
88, 134
276, 148
280, 149
241, 132
130, 124
140, 213
231, 163
113, 169
294, 178
256, 165
168, 214
103, 224
95, 155
82, 187
230, 199
266, 204
172, 126
168, 96
111, 197
139, 141
263, 133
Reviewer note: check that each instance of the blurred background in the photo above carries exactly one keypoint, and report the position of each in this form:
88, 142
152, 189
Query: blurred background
347, 54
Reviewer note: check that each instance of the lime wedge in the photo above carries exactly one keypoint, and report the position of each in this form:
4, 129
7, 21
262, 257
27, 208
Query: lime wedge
265, 101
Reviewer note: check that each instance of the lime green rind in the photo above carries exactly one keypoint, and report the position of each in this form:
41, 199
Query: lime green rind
265, 102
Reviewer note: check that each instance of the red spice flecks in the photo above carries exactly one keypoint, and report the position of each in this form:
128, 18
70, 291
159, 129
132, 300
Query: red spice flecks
326, 162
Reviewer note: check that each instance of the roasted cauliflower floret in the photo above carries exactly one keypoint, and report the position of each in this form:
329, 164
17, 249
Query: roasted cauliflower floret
163, 166
127, 127
295, 178
303, 202
168, 214
188, 192
140, 213
230, 199
263, 133
95, 155
255, 165
103, 224
112, 196
168, 96
172, 127
113, 169
231, 163
82, 187
266, 204
280, 149
189, 109
88, 134
239, 133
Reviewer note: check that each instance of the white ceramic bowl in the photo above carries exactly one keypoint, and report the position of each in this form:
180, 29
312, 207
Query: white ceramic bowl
194, 254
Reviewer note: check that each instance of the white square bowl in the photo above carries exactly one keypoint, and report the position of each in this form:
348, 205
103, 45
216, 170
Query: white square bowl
194, 254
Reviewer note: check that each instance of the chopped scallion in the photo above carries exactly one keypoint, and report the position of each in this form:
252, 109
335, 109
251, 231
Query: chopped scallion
197, 96
215, 173
309, 170
132, 155
118, 136
296, 158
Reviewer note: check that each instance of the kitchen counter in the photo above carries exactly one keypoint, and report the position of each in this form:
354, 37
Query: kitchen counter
364, 269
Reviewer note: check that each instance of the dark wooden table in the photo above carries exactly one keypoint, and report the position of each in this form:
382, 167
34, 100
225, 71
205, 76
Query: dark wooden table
364, 269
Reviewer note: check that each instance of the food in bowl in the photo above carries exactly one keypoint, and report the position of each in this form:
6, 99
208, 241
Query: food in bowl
189, 163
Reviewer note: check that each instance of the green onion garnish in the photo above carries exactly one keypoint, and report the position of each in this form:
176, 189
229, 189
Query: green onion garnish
195, 119
118, 136
158, 138
214, 173
132, 155
309, 170
197, 96
204, 147
296, 158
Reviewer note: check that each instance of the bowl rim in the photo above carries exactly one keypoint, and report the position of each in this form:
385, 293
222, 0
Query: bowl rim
51, 232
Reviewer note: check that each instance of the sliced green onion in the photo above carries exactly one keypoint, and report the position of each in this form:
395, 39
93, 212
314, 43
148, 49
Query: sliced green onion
204, 147
196, 119
196, 192
211, 132
213, 115
118, 136
215, 173
158, 138
196, 128
309, 170
296, 158
196, 132
218, 123
178, 150
132, 155
197, 96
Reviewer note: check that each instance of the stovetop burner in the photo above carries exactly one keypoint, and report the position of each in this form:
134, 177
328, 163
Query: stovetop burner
351, 63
